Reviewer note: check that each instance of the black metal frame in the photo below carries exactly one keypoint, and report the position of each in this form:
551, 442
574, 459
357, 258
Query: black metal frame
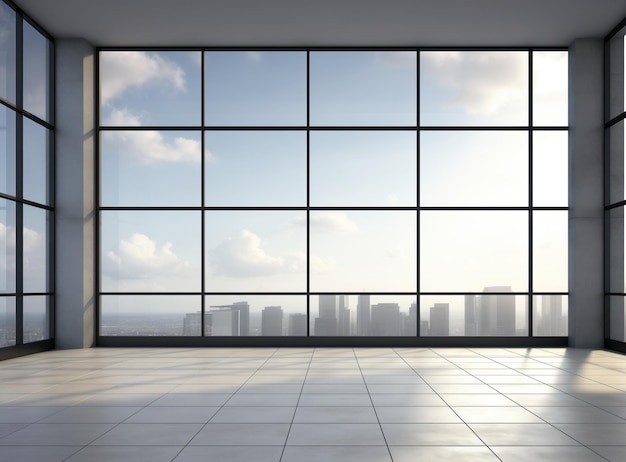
613, 344
21, 348
521, 341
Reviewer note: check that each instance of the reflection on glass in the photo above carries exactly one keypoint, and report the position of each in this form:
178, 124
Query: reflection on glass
7, 53
615, 254
150, 315
35, 253
617, 327
36, 318
150, 168
255, 168
363, 315
36, 162
255, 251
466, 251
550, 233
257, 88
36, 72
255, 315
485, 315
357, 250
352, 88
473, 168
474, 88
363, 168
7, 246
150, 88
550, 315
550, 184
616, 168
7, 150
550, 81
7, 321
150, 251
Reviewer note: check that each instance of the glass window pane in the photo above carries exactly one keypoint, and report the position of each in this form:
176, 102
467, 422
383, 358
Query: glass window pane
255, 251
363, 315
550, 154
7, 53
255, 315
615, 252
363, 88
7, 321
252, 168
36, 73
617, 328
617, 83
150, 88
363, 168
151, 168
36, 318
367, 250
476, 88
550, 315
35, 252
7, 151
150, 315
474, 315
550, 268
616, 168
150, 251
469, 251
473, 168
255, 88
37, 163
7, 246
550, 82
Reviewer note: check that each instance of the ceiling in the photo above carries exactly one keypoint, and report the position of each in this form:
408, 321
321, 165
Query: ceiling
326, 22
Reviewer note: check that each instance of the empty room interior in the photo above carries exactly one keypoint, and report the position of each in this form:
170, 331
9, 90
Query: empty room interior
322, 231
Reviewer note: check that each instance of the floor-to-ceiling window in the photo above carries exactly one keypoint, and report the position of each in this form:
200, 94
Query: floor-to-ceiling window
615, 193
26, 184
405, 193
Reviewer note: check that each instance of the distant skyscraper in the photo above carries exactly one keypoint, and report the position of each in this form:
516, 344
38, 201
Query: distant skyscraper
363, 319
551, 321
343, 316
496, 313
272, 321
470, 315
222, 321
297, 324
192, 323
424, 331
440, 320
242, 319
386, 320
410, 324
326, 323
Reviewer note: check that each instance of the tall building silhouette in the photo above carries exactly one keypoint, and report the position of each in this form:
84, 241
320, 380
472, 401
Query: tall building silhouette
326, 322
343, 316
363, 319
386, 320
440, 320
495, 314
192, 324
297, 324
471, 327
410, 321
272, 321
238, 322
551, 321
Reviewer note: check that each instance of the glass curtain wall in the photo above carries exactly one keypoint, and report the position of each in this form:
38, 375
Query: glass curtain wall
26, 183
615, 197
333, 193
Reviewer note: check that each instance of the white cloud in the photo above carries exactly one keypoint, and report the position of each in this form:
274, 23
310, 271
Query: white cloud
244, 256
121, 70
485, 82
322, 264
328, 222
138, 257
150, 145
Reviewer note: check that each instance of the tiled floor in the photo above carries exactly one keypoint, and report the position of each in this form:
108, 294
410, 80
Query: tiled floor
322, 405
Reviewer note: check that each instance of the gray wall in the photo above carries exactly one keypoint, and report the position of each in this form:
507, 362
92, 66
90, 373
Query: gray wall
586, 194
75, 230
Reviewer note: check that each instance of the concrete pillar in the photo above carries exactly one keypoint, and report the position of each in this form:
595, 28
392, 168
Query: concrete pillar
586, 194
75, 200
